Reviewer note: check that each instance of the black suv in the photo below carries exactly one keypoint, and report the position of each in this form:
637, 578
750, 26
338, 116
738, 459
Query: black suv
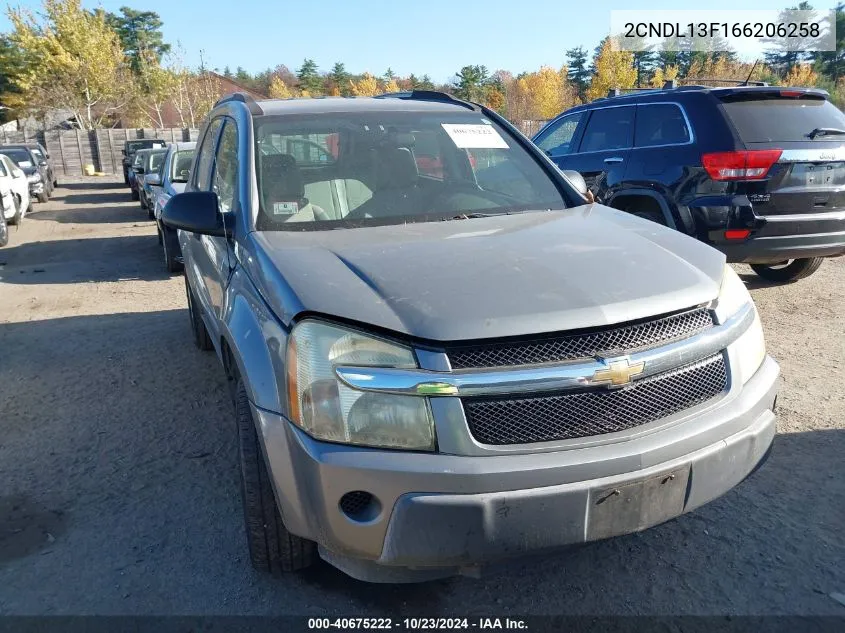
758, 172
130, 147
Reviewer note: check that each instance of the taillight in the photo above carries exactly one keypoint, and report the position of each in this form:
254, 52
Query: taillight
741, 165
737, 234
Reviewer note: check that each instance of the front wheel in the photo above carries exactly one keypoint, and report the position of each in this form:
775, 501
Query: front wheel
790, 270
169, 244
135, 194
4, 231
16, 219
42, 197
271, 547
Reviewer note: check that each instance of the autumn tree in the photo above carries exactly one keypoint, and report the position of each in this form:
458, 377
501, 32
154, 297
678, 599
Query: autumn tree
661, 75
391, 86
70, 59
155, 86
278, 89
548, 92
613, 69
801, 75
366, 86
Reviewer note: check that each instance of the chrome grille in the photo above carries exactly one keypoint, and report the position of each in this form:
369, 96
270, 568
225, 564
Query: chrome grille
544, 418
623, 338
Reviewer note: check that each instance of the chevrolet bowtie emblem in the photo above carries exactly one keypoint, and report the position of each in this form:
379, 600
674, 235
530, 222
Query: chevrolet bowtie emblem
618, 372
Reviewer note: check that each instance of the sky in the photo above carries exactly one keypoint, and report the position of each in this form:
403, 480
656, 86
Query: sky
434, 37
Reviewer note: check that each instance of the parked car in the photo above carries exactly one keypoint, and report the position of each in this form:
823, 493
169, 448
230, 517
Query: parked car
131, 147
432, 373
151, 165
43, 157
140, 164
36, 170
758, 172
174, 174
15, 191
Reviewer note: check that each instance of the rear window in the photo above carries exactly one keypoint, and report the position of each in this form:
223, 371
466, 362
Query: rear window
134, 146
771, 118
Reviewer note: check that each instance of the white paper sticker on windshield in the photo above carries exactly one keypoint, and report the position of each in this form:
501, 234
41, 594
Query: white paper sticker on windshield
24, 163
285, 208
158, 145
471, 136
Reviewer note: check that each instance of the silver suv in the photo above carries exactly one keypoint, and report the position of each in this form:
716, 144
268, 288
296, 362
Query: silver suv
440, 354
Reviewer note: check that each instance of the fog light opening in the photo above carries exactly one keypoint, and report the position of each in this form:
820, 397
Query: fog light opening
360, 506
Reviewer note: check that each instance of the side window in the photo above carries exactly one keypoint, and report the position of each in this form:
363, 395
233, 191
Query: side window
3, 169
203, 176
226, 167
660, 124
608, 129
558, 140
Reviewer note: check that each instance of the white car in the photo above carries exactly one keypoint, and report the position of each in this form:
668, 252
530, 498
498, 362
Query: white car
14, 190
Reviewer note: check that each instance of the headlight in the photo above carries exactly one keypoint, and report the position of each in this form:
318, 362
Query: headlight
328, 410
36, 177
749, 350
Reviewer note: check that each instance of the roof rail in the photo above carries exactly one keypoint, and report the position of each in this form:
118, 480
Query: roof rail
428, 95
733, 82
244, 98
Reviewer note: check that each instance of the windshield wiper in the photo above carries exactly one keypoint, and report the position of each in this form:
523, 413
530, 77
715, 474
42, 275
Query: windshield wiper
470, 216
825, 131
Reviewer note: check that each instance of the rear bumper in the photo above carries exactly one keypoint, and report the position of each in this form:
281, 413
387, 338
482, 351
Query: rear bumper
439, 515
785, 237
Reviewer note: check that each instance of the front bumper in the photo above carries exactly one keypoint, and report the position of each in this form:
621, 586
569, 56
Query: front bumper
440, 515
35, 188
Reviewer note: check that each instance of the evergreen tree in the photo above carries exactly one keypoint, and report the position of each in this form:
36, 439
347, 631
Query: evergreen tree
579, 73
309, 78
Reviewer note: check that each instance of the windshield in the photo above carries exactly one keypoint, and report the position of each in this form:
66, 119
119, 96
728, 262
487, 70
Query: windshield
180, 165
363, 169
134, 146
766, 117
37, 153
21, 157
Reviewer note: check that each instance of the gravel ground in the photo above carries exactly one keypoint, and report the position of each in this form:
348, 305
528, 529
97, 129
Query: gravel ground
118, 477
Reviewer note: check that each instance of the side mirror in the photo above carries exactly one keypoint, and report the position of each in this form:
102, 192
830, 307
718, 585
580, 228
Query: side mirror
46, 156
42, 163
196, 212
576, 180
154, 180
17, 173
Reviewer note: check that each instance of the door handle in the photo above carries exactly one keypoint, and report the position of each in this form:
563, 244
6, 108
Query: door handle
613, 160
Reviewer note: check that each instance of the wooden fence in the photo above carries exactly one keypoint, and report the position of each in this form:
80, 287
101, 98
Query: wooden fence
71, 150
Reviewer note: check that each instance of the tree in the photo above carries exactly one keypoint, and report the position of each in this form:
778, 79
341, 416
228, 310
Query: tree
801, 75
366, 86
832, 63
10, 66
309, 79
644, 61
613, 69
227, 72
579, 73
784, 53
662, 75
140, 35
469, 83
70, 59
339, 79
391, 86
156, 85
545, 93
426, 83
278, 89
389, 75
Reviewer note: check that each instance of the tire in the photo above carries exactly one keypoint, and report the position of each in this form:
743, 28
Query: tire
794, 269
271, 547
150, 213
18, 217
201, 338
170, 261
126, 178
42, 197
4, 231
135, 195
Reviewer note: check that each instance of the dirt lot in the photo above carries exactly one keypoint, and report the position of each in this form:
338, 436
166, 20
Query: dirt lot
118, 481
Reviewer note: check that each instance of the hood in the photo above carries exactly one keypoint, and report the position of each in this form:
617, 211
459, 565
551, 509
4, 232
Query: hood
507, 275
176, 187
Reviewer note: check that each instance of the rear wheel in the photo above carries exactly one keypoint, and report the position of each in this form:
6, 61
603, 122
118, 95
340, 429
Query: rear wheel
789, 270
201, 338
271, 547
16, 219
